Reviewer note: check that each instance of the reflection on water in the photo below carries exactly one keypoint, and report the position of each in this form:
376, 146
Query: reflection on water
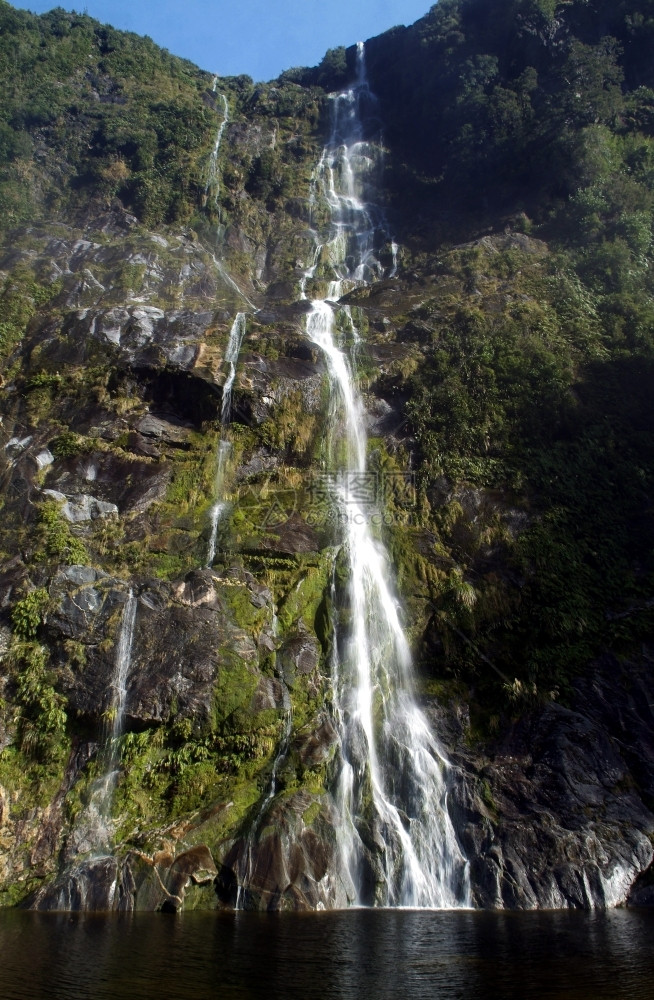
353, 954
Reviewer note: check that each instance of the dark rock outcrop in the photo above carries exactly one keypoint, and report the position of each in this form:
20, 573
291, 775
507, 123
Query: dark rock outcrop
294, 864
557, 813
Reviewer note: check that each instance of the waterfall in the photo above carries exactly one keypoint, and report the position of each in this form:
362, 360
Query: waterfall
397, 841
213, 179
93, 829
236, 335
115, 719
119, 680
227, 278
394, 250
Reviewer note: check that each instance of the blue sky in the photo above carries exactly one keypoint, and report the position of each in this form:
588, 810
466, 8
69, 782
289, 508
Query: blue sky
258, 37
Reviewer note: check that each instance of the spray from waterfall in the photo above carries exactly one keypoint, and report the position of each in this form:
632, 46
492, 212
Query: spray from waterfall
396, 840
236, 335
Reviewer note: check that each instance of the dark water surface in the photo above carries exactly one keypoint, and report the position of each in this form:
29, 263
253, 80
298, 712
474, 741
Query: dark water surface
353, 954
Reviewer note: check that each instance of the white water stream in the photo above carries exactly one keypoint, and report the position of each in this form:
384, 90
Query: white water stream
119, 680
94, 828
397, 840
213, 179
236, 335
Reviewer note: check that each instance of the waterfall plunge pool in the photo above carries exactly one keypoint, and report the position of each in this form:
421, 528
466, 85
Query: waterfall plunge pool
338, 955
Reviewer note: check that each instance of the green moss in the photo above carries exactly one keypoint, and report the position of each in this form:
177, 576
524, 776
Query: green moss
69, 445
291, 428
310, 815
21, 296
55, 539
13, 895
302, 600
234, 688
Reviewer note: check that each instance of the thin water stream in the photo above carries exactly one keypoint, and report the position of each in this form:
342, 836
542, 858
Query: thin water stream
236, 335
213, 179
93, 829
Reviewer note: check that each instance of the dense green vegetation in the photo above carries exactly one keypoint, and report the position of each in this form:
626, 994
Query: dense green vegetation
535, 118
521, 103
88, 110
91, 114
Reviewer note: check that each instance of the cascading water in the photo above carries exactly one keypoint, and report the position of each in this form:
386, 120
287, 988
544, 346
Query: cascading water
236, 335
394, 251
213, 187
397, 841
227, 278
93, 829
213, 179
119, 680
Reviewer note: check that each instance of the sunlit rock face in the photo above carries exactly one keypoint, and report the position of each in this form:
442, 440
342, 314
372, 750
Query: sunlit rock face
350, 430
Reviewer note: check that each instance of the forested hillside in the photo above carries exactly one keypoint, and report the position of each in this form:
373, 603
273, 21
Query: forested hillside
533, 120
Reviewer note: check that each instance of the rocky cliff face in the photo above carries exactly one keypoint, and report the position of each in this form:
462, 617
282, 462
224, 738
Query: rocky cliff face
114, 341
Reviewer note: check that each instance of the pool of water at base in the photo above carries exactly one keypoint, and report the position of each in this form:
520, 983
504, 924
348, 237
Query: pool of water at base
362, 954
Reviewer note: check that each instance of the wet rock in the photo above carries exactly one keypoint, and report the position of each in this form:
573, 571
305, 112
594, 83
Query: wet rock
89, 887
82, 507
13, 579
143, 335
141, 446
270, 693
290, 536
87, 607
185, 641
298, 656
161, 882
179, 657
168, 431
294, 863
174, 660
47, 844
193, 867
316, 746
263, 383
197, 590
130, 486
137, 882
260, 595
16, 446
261, 461
84, 600
555, 817
44, 458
